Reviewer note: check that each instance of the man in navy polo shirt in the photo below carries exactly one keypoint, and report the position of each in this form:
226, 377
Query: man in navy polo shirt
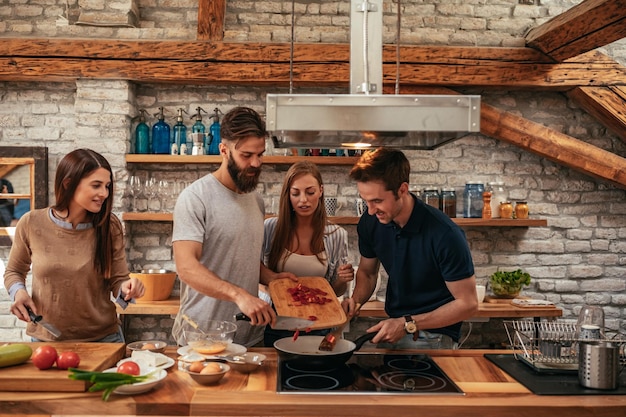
431, 287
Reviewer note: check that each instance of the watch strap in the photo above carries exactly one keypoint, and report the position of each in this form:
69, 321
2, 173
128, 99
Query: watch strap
409, 319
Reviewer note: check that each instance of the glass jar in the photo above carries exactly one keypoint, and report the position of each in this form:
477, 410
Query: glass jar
473, 199
521, 210
448, 201
431, 197
506, 210
498, 195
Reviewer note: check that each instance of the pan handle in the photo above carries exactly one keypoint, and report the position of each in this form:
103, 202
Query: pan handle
362, 339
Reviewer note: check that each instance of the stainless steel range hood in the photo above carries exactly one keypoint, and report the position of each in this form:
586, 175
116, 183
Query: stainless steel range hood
363, 118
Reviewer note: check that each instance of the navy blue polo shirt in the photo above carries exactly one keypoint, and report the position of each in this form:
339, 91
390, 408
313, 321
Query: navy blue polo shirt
419, 258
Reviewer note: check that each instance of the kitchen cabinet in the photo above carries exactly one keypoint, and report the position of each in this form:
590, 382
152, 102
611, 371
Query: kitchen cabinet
288, 160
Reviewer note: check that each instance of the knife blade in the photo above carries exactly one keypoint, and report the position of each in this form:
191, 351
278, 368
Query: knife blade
283, 322
38, 319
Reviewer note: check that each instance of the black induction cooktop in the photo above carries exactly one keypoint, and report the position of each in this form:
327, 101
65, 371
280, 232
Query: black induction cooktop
369, 373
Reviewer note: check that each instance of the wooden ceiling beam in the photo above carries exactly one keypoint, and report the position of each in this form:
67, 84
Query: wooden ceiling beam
48, 60
555, 146
607, 104
582, 28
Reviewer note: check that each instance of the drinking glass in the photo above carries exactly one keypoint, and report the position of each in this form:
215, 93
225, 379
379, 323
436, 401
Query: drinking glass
590, 320
135, 187
151, 190
165, 192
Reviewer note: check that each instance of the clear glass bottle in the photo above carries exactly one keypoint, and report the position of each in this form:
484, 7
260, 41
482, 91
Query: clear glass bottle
498, 195
473, 199
448, 201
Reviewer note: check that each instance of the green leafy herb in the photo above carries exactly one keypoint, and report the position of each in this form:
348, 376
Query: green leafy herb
107, 381
509, 283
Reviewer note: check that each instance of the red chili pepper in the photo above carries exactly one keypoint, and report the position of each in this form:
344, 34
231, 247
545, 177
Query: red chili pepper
296, 334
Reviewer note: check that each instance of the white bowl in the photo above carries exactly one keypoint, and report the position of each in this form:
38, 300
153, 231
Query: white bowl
207, 379
247, 362
157, 346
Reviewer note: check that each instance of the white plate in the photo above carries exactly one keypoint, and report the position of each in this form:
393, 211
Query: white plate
170, 362
231, 349
140, 387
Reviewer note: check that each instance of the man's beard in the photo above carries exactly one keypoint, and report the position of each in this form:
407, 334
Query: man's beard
242, 180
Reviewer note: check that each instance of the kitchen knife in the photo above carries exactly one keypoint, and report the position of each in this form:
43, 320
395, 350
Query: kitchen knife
283, 322
39, 320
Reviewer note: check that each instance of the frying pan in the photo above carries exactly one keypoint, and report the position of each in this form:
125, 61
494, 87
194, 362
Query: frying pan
304, 352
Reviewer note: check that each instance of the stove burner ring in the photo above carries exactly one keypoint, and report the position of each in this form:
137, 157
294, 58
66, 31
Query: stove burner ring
411, 381
293, 366
312, 382
409, 365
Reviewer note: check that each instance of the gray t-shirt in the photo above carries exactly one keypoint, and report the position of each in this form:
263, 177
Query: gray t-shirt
230, 227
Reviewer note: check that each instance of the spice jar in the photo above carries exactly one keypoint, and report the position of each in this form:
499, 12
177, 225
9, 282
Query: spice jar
431, 197
506, 210
448, 201
521, 210
498, 195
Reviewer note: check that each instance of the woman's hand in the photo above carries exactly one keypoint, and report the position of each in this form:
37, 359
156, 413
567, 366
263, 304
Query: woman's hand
132, 288
345, 273
22, 301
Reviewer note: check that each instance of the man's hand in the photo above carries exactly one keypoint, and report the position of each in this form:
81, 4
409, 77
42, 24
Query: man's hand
389, 331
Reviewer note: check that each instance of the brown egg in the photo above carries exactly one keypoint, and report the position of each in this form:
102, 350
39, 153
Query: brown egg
196, 366
148, 346
211, 368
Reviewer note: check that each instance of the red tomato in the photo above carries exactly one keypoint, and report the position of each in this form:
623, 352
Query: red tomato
44, 357
68, 360
128, 367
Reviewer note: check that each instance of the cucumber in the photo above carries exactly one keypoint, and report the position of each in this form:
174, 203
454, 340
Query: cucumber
14, 354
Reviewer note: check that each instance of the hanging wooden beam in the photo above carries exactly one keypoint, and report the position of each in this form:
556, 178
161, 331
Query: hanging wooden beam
211, 14
582, 28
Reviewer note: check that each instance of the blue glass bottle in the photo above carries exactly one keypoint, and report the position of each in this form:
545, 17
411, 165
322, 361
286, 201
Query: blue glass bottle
142, 135
180, 136
198, 126
214, 129
161, 135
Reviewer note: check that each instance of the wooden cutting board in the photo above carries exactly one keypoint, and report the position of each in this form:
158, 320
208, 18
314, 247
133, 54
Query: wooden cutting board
93, 357
328, 315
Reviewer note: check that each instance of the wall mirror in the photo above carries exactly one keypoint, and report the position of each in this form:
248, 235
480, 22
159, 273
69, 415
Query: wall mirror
24, 185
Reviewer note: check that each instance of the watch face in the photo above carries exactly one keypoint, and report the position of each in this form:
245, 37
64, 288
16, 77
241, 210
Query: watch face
410, 327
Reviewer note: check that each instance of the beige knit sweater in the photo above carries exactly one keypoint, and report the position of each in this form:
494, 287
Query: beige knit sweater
66, 288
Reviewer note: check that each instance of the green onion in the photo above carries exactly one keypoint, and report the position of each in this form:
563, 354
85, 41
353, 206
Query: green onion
107, 381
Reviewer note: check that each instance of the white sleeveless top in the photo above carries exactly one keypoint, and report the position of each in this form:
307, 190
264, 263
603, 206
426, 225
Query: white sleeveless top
304, 265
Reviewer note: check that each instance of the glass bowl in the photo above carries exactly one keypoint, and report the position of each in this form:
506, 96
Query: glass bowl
211, 337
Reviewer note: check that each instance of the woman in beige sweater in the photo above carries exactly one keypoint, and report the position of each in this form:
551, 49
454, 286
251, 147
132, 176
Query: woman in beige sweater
76, 251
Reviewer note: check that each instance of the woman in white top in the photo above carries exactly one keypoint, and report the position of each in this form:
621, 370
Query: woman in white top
301, 241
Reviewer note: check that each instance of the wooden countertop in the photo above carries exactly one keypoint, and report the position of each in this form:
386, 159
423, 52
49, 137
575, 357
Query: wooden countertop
370, 309
488, 392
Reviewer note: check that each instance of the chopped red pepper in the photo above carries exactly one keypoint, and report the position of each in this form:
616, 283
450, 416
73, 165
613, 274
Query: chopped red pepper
296, 334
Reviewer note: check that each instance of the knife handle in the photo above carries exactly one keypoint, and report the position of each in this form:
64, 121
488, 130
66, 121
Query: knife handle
241, 316
34, 317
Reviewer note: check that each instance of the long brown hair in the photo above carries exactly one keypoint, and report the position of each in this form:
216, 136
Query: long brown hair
286, 225
74, 167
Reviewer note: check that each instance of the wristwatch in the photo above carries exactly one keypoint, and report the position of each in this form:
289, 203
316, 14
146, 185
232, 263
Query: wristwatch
410, 327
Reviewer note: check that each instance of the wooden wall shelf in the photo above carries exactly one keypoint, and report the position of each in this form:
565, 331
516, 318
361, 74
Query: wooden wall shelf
167, 217
216, 159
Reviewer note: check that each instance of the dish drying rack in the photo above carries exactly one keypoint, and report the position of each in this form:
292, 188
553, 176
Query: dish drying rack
548, 345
